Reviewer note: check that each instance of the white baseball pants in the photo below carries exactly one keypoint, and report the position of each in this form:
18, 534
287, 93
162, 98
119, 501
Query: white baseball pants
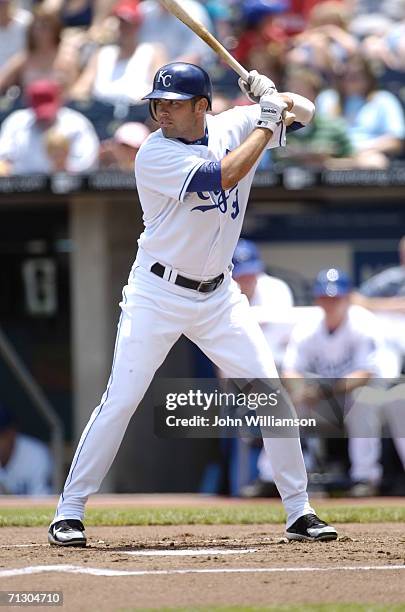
369, 409
155, 313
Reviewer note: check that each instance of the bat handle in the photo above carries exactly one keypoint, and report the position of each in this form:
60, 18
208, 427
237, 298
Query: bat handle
224, 53
234, 64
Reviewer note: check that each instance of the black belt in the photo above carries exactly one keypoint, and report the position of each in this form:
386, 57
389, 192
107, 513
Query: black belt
201, 286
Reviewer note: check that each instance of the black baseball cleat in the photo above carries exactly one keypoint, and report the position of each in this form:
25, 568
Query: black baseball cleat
310, 528
69, 532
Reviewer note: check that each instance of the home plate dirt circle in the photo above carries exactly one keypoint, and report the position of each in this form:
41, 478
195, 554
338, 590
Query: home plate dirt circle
208, 565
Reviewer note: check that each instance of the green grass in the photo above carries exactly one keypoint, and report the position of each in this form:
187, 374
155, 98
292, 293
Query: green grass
214, 515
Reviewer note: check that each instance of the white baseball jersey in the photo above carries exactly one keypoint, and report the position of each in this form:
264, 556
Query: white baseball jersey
271, 297
194, 233
354, 345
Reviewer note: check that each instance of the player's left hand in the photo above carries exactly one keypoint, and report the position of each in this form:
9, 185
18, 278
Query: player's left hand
272, 107
258, 85
288, 118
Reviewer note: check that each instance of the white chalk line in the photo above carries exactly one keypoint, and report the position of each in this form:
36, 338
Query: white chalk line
189, 552
95, 571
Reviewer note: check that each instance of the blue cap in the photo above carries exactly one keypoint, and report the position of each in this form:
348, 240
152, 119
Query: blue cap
332, 283
246, 259
253, 11
6, 418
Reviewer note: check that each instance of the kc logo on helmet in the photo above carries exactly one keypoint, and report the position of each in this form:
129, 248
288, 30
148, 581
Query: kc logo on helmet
164, 78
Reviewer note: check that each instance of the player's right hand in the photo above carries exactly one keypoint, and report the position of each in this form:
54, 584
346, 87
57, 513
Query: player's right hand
271, 111
257, 86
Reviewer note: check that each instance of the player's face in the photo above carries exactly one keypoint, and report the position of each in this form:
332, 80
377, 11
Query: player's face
354, 81
335, 309
180, 118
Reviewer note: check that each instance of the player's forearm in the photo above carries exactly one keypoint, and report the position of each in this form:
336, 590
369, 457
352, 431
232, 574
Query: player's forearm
239, 162
302, 108
352, 381
291, 374
384, 144
388, 304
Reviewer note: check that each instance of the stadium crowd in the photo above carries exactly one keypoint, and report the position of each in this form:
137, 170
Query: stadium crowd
74, 71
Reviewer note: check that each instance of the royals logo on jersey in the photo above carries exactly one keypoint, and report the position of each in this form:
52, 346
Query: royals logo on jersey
222, 200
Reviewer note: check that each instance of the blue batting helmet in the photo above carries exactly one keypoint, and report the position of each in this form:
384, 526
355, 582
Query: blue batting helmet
331, 283
246, 259
180, 81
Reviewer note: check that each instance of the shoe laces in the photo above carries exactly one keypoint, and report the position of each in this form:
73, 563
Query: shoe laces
71, 524
313, 521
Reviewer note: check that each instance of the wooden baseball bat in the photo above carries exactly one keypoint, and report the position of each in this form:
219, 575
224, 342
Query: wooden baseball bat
174, 7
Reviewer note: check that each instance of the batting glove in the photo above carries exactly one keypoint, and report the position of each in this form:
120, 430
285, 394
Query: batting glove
271, 111
258, 85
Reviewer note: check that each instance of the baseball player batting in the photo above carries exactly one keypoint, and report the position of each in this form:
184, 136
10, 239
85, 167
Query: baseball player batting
193, 176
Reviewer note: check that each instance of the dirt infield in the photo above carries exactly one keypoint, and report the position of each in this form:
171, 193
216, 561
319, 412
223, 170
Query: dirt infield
244, 565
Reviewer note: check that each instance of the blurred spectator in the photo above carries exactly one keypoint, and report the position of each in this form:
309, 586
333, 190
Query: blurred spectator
120, 151
25, 463
268, 298
13, 28
43, 57
295, 20
384, 46
338, 353
81, 13
385, 290
374, 118
393, 9
332, 20
221, 103
322, 143
74, 13
159, 27
220, 13
262, 43
326, 43
87, 24
24, 132
122, 71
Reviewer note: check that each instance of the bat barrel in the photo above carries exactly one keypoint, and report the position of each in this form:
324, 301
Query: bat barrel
174, 7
